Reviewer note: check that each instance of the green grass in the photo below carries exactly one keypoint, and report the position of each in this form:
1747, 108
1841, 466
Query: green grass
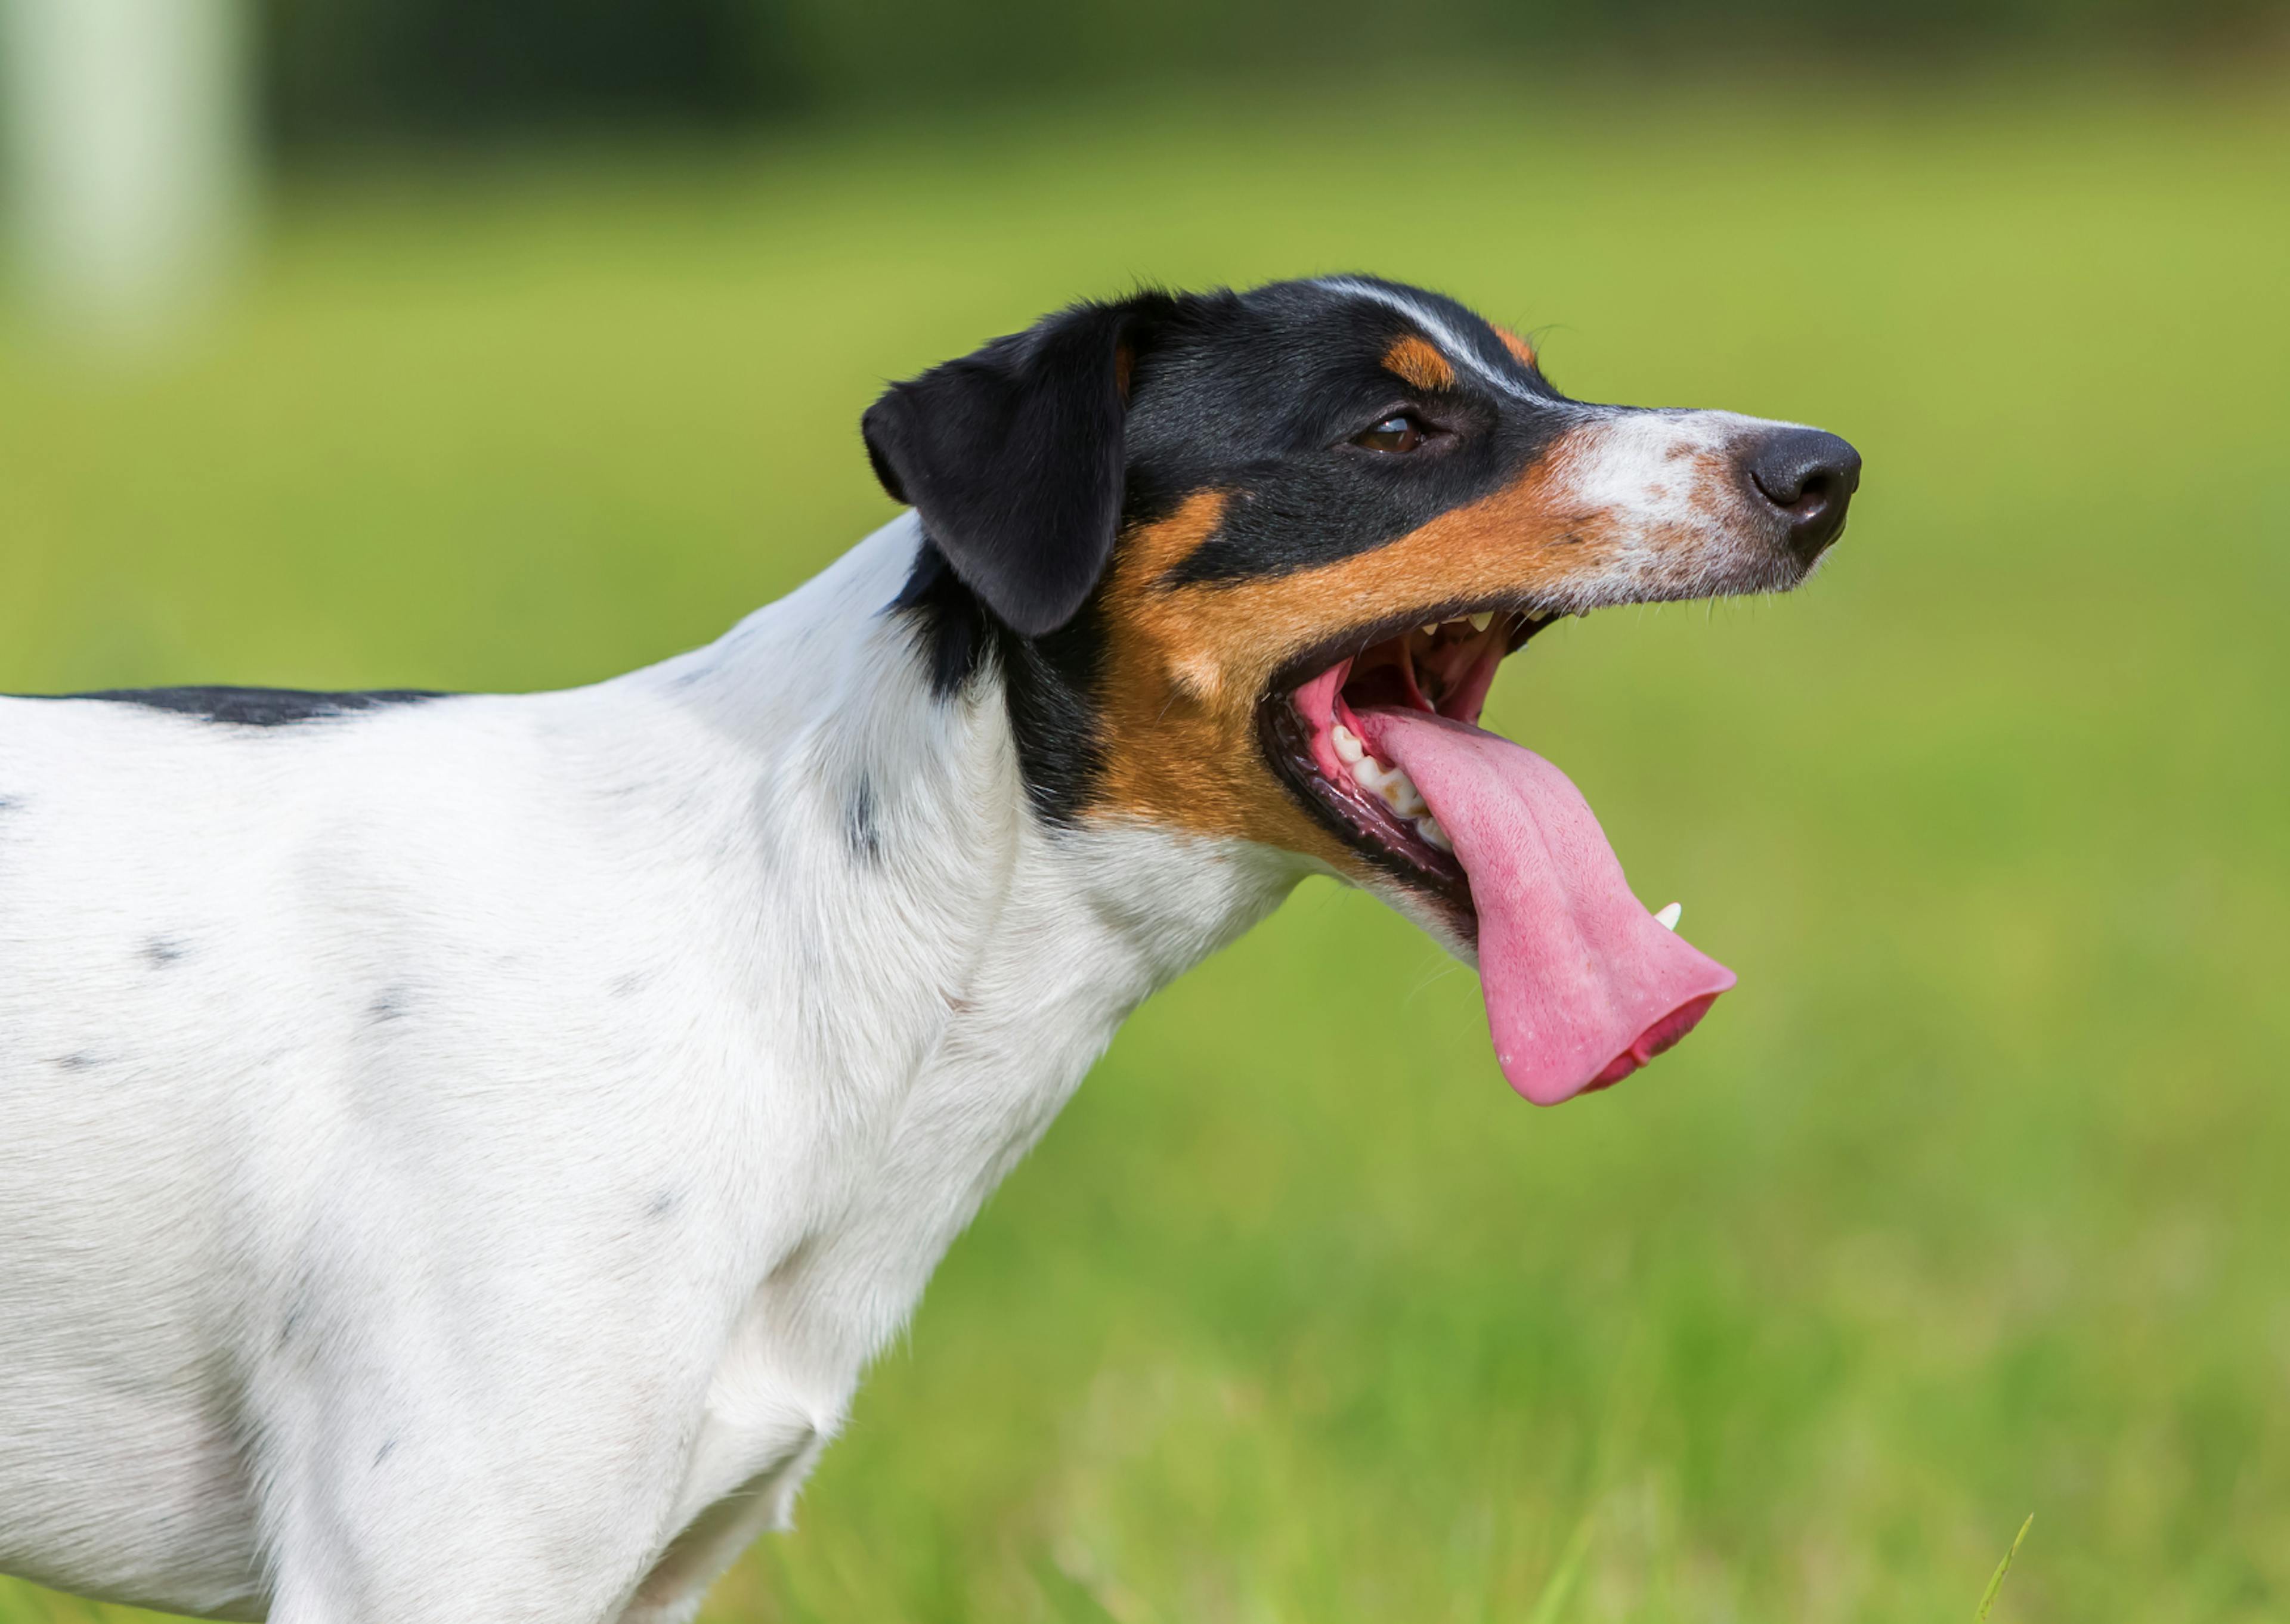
1972, 1200
1996, 1580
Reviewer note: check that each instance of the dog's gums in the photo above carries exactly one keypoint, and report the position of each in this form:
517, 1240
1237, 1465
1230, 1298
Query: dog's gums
1442, 668
1583, 986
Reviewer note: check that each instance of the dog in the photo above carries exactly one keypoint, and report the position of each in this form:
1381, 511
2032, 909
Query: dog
458, 1153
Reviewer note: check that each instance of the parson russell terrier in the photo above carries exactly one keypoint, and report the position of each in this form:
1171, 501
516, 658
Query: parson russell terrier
458, 1153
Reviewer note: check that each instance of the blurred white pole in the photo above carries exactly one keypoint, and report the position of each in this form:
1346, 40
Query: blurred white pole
130, 134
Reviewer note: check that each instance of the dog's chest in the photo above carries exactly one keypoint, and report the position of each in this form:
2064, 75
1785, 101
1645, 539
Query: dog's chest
1070, 960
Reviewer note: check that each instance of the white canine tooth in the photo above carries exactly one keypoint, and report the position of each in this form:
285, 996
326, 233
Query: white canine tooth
1433, 835
1367, 774
1668, 917
1429, 629
1480, 622
1349, 748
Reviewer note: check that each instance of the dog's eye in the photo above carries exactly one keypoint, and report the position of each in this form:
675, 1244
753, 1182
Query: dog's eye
1398, 433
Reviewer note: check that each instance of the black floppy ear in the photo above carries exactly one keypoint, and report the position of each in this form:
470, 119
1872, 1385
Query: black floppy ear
1013, 457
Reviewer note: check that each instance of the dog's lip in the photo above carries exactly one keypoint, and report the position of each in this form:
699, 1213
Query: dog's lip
1367, 830
1529, 616
1377, 833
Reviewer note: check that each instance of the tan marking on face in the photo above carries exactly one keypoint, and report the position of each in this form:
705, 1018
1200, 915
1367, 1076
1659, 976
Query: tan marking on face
1187, 665
1177, 724
1520, 350
1417, 361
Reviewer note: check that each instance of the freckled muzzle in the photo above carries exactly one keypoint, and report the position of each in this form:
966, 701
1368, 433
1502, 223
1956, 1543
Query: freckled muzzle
1683, 505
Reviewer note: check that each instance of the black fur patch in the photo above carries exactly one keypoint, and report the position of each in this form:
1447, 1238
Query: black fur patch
1047, 682
254, 706
1260, 395
958, 636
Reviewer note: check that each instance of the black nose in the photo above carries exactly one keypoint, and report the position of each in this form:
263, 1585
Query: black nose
1809, 476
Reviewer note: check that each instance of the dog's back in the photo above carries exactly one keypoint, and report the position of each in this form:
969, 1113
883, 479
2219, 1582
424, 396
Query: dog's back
139, 855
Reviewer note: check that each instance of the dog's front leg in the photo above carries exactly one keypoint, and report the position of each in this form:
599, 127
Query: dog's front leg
444, 1552
672, 1592
414, 1471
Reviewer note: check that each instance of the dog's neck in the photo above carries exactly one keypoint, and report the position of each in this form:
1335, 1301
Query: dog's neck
947, 963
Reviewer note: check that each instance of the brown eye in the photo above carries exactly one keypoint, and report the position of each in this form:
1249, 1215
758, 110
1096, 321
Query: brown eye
1399, 432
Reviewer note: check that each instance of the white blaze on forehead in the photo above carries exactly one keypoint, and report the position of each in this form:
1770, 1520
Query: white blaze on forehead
1450, 342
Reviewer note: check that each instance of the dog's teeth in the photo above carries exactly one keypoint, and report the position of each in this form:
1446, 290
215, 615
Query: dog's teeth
1349, 748
1668, 917
1429, 629
1393, 786
1480, 622
1433, 835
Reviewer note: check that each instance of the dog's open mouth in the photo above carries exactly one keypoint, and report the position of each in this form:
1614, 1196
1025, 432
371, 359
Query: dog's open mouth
1583, 985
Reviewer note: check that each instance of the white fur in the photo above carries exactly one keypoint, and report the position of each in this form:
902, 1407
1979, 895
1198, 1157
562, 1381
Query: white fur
456, 1159
1659, 492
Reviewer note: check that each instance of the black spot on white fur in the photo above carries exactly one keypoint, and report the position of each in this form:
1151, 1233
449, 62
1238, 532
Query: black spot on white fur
860, 831
162, 951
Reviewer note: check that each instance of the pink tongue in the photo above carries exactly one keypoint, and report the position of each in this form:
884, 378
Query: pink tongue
1583, 986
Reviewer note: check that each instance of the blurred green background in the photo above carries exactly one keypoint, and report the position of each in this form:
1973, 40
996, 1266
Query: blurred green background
1971, 1202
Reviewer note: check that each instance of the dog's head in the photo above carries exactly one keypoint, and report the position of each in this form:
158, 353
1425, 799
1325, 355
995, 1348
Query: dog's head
1248, 563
